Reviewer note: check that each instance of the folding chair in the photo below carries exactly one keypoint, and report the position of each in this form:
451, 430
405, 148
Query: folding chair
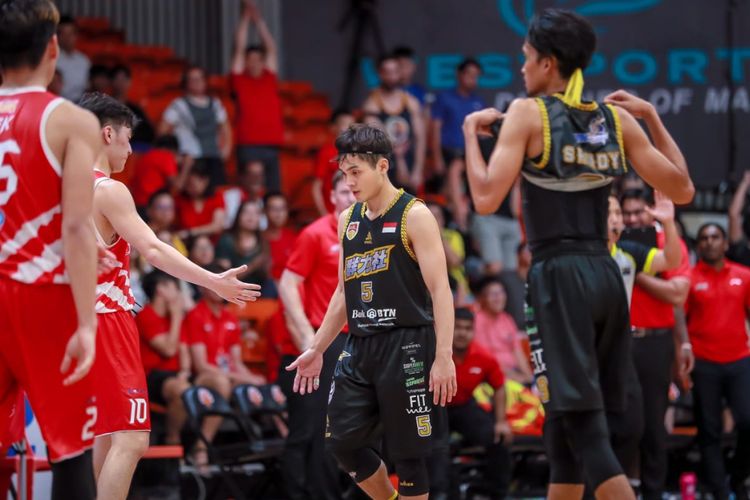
257, 403
201, 402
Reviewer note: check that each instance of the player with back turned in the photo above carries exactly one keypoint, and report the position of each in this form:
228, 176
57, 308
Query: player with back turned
568, 152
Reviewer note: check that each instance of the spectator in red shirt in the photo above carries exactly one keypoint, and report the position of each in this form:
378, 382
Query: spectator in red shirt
199, 209
498, 333
165, 356
655, 303
717, 311
477, 426
156, 170
326, 165
260, 130
279, 237
312, 273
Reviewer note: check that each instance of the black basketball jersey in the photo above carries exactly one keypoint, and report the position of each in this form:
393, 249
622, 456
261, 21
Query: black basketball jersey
383, 285
567, 187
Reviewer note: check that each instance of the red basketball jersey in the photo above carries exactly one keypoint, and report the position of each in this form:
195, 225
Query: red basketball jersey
31, 249
113, 288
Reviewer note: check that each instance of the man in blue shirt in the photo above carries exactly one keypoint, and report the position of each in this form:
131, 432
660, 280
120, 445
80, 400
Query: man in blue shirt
448, 113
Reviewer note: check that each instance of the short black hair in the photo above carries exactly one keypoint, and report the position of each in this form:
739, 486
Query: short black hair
339, 112
193, 67
359, 139
66, 19
564, 35
385, 58
272, 194
26, 27
161, 192
466, 63
486, 281
153, 279
464, 313
711, 224
108, 110
402, 51
99, 70
261, 49
167, 141
644, 195
120, 68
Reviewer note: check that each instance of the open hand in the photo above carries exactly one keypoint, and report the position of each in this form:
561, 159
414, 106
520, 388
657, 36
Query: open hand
230, 288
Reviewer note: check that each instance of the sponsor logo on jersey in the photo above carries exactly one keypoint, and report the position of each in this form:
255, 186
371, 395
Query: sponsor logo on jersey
390, 227
5, 123
538, 361
412, 381
343, 355
413, 367
381, 315
368, 238
371, 262
8, 107
418, 405
351, 230
597, 133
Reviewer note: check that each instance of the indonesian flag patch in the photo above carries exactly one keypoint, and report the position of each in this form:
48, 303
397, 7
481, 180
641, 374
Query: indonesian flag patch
389, 227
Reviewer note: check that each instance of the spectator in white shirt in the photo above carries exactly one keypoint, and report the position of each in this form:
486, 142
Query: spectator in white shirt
72, 64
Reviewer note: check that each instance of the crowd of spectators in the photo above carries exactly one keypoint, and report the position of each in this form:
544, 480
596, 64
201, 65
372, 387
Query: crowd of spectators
694, 314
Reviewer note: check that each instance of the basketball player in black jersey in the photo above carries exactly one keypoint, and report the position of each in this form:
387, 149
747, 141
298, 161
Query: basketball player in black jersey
393, 291
568, 152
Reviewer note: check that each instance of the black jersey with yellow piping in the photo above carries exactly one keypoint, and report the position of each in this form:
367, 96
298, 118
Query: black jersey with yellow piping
383, 284
566, 188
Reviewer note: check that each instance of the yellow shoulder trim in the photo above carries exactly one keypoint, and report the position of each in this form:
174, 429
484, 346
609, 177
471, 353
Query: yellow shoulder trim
618, 131
404, 236
546, 134
650, 260
346, 223
583, 106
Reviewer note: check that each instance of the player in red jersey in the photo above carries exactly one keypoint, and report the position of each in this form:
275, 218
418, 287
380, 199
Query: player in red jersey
47, 247
120, 385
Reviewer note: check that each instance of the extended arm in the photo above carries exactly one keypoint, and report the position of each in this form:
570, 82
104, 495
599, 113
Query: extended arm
294, 312
673, 291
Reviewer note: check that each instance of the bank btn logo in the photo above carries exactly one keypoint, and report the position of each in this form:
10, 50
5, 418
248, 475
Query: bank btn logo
516, 14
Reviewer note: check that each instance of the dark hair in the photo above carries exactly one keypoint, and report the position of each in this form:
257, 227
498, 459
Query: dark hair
66, 19
194, 67
256, 48
486, 281
108, 110
215, 267
464, 313
120, 68
402, 51
153, 279
564, 35
272, 194
157, 194
191, 241
167, 141
711, 224
202, 168
385, 58
235, 229
644, 195
469, 61
338, 176
339, 112
26, 27
99, 70
359, 139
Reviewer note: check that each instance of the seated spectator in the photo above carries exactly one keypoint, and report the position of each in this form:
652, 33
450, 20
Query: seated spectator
243, 244
121, 80
213, 334
478, 426
200, 124
72, 64
455, 251
326, 165
99, 80
156, 170
497, 332
165, 356
199, 209
279, 238
160, 216
260, 128
201, 250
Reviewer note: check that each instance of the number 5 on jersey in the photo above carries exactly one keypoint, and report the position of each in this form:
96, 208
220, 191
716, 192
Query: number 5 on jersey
366, 288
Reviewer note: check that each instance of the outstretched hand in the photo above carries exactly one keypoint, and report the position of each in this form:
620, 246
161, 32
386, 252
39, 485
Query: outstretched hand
308, 366
663, 209
233, 290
